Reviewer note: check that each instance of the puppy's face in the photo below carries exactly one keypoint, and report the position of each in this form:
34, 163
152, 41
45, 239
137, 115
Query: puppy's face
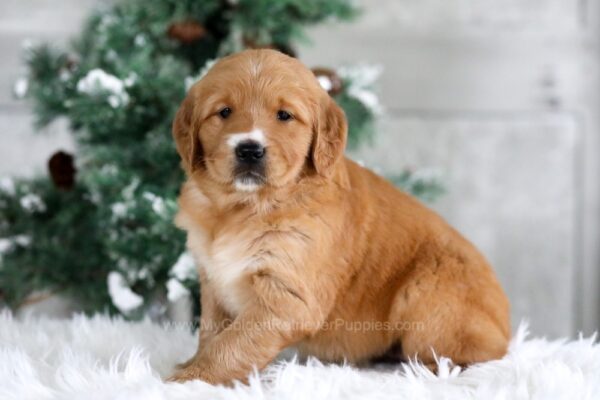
257, 119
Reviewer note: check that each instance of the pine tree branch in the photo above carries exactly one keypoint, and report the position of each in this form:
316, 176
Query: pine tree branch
34, 299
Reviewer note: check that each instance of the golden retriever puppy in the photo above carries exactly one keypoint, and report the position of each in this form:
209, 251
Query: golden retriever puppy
298, 246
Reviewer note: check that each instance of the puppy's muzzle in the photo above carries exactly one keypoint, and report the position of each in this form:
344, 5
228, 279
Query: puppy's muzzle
249, 171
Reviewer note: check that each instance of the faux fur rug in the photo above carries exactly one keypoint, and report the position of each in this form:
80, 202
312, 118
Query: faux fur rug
100, 358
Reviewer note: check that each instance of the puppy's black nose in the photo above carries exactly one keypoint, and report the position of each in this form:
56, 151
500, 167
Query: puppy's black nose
249, 152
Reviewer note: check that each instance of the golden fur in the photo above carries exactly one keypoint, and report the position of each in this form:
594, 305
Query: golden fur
325, 255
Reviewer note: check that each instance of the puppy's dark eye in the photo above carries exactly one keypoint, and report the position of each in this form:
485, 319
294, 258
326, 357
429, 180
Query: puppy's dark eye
225, 113
283, 115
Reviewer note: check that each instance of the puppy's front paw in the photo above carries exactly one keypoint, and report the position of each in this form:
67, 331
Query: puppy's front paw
189, 373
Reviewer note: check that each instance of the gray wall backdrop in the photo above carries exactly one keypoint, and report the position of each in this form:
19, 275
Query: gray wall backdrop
500, 97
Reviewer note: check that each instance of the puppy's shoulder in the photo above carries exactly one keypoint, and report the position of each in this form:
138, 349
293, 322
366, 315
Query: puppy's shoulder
193, 205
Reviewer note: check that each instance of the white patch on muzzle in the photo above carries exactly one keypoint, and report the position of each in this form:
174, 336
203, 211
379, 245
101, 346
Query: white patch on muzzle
246, 185
255, 135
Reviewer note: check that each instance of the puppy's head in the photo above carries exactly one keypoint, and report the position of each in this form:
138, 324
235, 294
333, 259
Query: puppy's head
257, 119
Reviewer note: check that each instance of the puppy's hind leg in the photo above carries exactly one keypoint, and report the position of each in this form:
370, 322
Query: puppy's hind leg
468, 340
440, 313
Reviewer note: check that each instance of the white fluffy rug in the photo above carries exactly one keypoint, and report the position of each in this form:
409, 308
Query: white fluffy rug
100, 358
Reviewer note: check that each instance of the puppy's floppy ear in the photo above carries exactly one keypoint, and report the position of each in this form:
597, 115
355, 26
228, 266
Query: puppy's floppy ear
329, 141
185, 133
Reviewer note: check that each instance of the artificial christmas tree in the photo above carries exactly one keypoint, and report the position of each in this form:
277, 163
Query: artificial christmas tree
101, 231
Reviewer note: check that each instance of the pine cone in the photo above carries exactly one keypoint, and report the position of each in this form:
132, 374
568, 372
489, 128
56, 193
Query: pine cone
287, 50
62, 171
71, 63
329, 80
187, 32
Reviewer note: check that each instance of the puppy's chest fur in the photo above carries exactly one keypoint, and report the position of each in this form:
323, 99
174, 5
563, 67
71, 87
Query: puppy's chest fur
231, 250
228, 263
